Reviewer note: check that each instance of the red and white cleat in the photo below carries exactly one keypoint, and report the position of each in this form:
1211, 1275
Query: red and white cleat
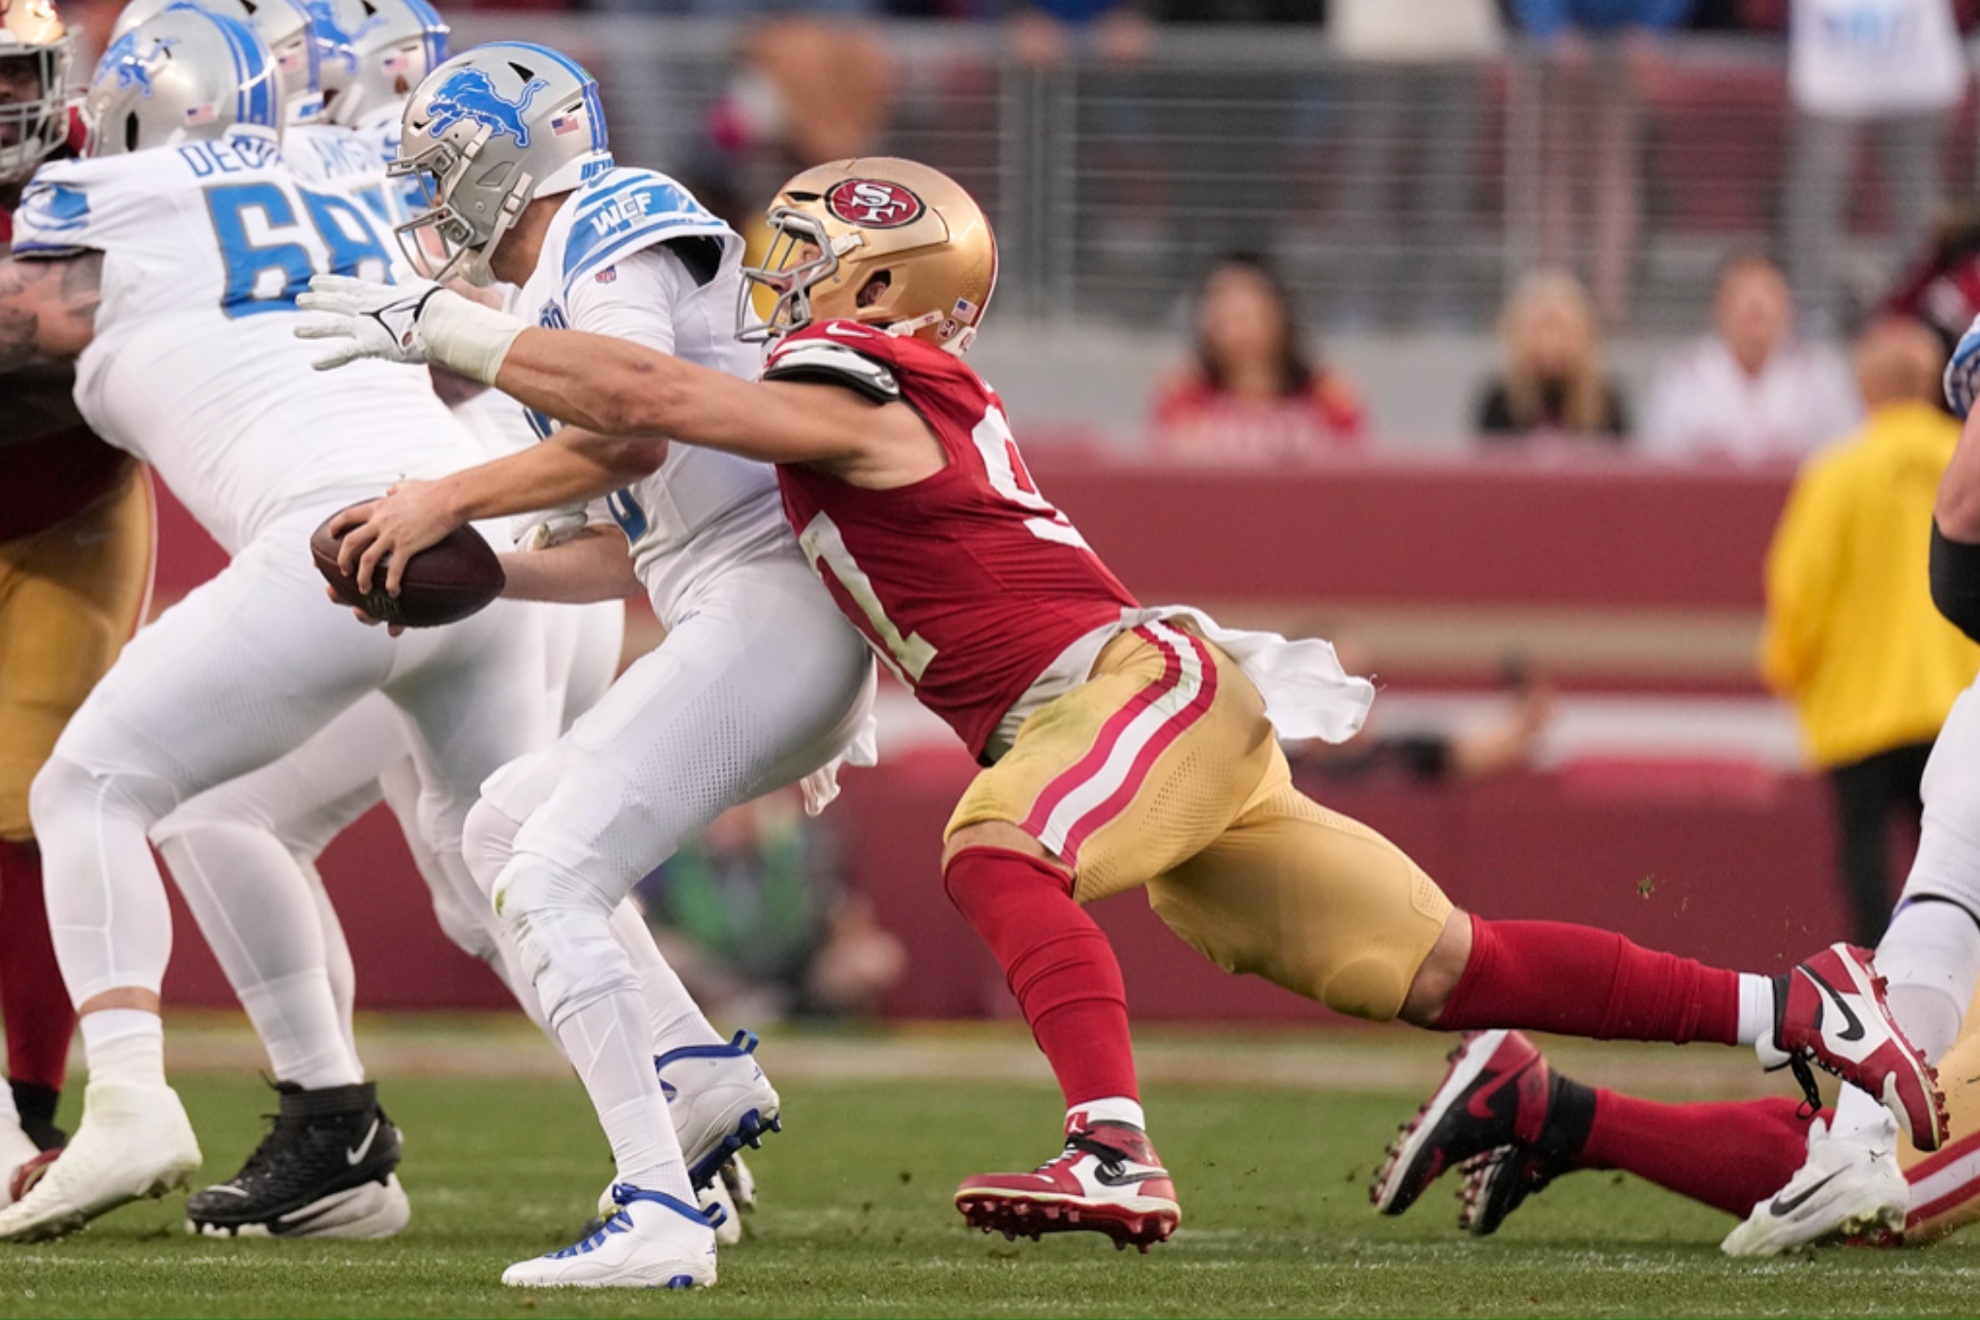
1829, 1012
1107, 1180
1496, 1092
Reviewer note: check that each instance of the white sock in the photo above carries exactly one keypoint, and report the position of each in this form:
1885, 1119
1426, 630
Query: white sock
673, 1017
297, 1019
606, 1041
125, 1045
1109, 1109
1756, 1008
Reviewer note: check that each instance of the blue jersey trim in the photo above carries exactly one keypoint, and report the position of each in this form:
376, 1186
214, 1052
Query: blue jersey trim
670, 211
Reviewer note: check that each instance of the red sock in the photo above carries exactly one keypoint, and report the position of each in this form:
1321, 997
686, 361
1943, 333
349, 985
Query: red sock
1728, 1155
33, 1000
1057, 963
1581, 981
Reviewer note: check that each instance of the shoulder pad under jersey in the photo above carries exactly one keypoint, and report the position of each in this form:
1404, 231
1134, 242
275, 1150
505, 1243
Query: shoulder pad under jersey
624, 210
823, 362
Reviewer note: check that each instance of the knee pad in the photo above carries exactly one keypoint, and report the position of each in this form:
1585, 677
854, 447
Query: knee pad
488, 843
65, 791
562, 926
466, 923
1370, 988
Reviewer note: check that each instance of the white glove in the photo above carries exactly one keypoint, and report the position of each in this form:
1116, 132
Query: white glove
414, 321
547, 528
1963, 372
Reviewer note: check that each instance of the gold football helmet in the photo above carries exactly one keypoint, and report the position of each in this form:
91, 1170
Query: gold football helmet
35, 50
880, 240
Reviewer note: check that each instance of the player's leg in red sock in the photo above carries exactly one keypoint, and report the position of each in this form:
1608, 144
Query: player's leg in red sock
33, 999
1582, 981
1726, 1154
1058, 964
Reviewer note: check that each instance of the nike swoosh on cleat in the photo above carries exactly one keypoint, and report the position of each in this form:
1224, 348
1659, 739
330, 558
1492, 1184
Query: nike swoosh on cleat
1855, 1031
356, 1154
1478, 1105
1124, 1179
1788, 1207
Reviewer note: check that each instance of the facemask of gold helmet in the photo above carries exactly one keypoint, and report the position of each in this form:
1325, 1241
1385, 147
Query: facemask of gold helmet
879, 240
34, 92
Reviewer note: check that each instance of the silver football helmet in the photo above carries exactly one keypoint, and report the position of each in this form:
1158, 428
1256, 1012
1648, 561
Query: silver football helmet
485, 134
285, 29
33, 43
392, 45
182, 75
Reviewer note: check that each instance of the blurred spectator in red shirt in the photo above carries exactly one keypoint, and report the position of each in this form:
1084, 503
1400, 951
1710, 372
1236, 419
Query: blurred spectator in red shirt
1253, 394
1553, 386
1750, 392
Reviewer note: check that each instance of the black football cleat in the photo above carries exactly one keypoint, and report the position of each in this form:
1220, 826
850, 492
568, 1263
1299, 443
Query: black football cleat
326, 1169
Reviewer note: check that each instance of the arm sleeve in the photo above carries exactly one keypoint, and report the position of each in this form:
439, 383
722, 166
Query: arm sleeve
1802, 567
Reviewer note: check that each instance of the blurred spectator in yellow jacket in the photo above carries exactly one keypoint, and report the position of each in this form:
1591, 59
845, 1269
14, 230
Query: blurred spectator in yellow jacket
1852, 638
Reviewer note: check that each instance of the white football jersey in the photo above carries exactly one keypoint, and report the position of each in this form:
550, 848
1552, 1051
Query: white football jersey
195, 367
332, 158
632, 255
378, 129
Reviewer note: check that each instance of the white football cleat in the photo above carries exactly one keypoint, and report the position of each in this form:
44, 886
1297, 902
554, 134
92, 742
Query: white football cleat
650, 1240
720, 1101
728, 1227
716, 1203
1848, 1186
741, 1184
17, 1153
133, 1142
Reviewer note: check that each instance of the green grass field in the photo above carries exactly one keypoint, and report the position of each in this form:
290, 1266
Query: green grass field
1272, 1141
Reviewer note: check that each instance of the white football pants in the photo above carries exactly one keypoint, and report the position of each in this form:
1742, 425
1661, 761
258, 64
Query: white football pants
760, 682
1930, 954
247, 668
244, 857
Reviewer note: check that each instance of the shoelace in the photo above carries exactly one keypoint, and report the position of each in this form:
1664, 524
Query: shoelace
1112, 1159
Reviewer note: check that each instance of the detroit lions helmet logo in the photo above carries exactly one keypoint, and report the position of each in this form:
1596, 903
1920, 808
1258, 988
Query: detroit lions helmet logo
131, 68
470, 95
331, 35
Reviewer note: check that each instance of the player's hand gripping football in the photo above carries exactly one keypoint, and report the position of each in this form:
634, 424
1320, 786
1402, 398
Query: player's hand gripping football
364, 319
411, 516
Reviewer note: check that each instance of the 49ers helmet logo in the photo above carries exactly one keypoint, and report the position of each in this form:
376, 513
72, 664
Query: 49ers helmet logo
873, 204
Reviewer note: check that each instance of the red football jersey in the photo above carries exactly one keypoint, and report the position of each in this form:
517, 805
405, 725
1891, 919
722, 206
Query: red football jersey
58, 475
968, 583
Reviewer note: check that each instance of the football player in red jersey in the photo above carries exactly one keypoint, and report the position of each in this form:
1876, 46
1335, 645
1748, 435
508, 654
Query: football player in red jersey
75, 571
1123, 746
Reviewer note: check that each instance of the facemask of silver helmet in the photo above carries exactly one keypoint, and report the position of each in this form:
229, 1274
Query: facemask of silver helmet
393, 45
182, 75
35, 51
283, 26
485, 134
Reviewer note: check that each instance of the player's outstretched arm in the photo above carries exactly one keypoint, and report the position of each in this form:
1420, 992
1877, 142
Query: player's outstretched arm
613, 387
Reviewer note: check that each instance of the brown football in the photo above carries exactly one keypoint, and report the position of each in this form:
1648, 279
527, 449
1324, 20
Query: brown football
443, 583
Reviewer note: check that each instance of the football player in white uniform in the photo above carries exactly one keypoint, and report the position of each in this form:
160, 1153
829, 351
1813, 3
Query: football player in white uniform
759, 683
167, 267
244, 853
